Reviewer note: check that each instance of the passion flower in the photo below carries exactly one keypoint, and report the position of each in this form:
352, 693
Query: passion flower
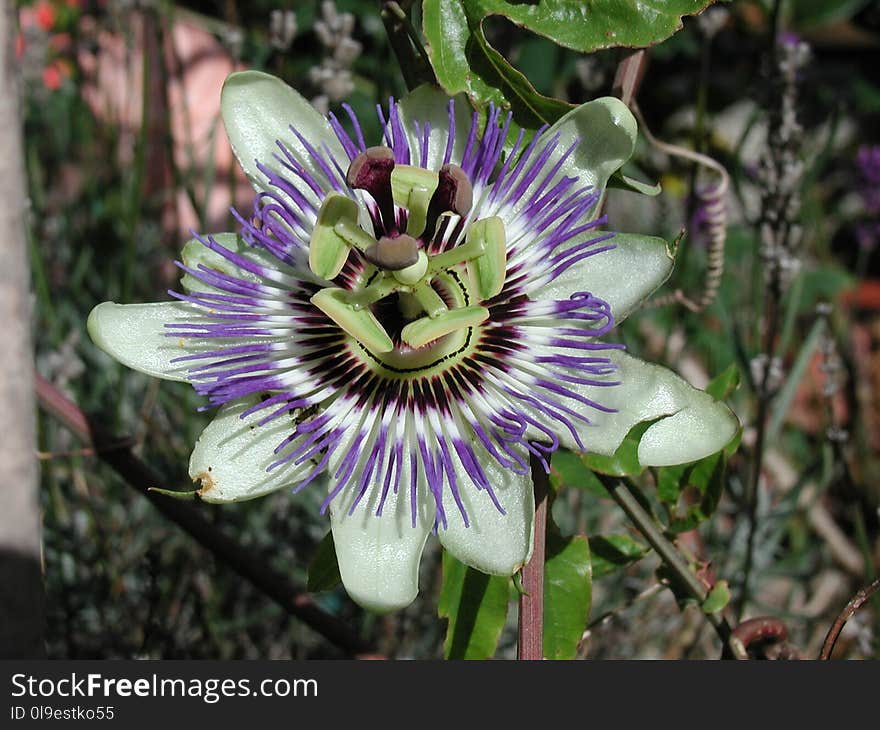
412, 323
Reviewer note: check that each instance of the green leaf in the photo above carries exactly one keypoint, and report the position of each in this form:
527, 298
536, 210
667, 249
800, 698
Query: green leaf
625, 461
723, 384
476, 606
718, 598
708, 476
464, 61
324, 570
783, 400
813, 13
568, 470
567, 594
670, 482
609, 553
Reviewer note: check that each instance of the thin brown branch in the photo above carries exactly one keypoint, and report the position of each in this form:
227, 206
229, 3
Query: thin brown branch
855, 603
226, 550
531, 601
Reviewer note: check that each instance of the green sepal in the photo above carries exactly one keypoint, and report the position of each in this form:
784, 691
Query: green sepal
619, 181
176, 494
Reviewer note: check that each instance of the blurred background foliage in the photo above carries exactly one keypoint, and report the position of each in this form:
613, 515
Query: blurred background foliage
125, 155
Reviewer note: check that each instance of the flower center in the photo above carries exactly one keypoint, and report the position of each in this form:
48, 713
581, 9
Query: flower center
409, 309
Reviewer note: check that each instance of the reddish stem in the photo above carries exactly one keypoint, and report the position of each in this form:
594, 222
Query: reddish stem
531, 601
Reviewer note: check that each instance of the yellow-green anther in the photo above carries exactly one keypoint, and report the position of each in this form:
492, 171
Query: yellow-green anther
426, 329
359, 323
328, 251
412, 188
429, 300
489, 270
354, 235
413, 274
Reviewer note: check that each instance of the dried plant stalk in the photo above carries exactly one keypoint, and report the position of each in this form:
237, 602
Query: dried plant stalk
21, 610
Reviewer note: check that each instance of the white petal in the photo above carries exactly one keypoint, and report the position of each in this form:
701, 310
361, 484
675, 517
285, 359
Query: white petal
700, 425
429, 104
495, 543
232, 456
691, 423
195, 254
259, 109
135, 335
607, 133
379, 555
624, 276
697, 431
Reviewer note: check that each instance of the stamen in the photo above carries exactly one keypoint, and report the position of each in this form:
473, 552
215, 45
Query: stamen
354, 235
472, 248
488, 271
457, 188
454, 194
430, 300
428, 329
412, 188
328, 251
393, 254
371, 171
382, 287
359, 323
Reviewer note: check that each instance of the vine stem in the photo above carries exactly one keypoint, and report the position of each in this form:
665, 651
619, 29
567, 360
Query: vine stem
530, 645
855, 603
672, 558
406, 44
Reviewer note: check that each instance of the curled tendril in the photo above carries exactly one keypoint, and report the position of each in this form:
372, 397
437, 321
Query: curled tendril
714, 207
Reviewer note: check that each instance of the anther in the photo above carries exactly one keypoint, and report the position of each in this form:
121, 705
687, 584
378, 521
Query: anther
372, 166
328, 250
456, 190
393, 254
371, 171
454, 194
427, 329
413, 188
